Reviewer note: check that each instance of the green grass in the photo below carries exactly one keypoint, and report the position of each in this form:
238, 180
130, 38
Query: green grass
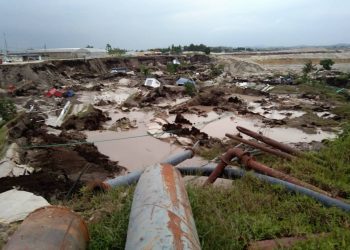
226, 218
324, 91
251, 211
3, 139
210, 153
338, 239
107, 215
330, 172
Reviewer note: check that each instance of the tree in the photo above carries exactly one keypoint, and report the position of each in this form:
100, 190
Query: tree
108, 47
308, 67
89, 46
207, 50
327, 64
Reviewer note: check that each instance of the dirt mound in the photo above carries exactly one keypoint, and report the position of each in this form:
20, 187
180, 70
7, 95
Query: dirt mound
220, 98
166, 92
50, 186
239, 67
181, 119
58, 159
92, 119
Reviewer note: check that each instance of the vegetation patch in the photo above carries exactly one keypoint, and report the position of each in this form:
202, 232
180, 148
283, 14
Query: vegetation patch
3, 140
107, 215
251, 210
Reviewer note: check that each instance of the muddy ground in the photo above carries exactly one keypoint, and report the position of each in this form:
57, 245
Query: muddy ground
114, 124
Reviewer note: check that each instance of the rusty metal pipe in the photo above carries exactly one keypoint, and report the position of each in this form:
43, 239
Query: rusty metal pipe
261, 147
51, 227
235, 173
161, 216
225, 159
269, 141
249, 162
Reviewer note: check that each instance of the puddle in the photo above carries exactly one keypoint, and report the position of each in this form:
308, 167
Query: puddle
218, 125
134, 148
173, 103
137, 152
270, 113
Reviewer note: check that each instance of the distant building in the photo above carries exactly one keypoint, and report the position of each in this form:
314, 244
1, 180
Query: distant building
60, 53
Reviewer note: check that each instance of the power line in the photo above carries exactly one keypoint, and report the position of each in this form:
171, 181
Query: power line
97, 141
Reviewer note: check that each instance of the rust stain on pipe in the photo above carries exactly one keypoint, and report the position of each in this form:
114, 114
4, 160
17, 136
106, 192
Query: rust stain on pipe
51, 227
98, 185
225, 159
161, 216
169, 181
175, 228
261, 147
249, 162
269, 141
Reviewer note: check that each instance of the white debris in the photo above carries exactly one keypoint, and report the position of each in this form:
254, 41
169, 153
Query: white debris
10, 169
157, 73
118, 96
12, 153
124, 82
184, 141
9, 165
16, 205
152, 82
325, 114
52, 131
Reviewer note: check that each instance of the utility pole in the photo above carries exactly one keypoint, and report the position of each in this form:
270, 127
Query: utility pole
6, 51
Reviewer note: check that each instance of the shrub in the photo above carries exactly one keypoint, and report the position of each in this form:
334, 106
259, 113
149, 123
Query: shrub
7, 109
144, 70
190, 89
172, 68
308, 67
327, 64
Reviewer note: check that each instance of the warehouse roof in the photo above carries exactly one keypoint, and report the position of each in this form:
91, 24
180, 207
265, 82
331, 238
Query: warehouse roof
60, 50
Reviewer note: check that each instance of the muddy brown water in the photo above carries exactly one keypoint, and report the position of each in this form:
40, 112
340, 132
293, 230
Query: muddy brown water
134, 148
218, 125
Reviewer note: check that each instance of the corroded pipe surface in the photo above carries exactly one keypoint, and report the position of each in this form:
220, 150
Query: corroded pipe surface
269, 141
161, 216
235, 173
261, 147
249, 162
225, 159
50, 227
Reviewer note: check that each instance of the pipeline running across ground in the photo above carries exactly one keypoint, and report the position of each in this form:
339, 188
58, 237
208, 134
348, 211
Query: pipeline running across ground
236, 173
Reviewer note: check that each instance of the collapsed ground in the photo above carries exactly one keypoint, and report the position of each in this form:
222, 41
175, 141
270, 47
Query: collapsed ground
117, 106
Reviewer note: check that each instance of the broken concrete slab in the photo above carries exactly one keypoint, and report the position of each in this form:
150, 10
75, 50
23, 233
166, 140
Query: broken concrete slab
16, 205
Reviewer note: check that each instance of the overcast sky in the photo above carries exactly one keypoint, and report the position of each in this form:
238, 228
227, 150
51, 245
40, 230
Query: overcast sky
142, 24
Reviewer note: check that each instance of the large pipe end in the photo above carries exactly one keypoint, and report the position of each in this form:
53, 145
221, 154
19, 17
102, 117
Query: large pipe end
50, 227
98, 186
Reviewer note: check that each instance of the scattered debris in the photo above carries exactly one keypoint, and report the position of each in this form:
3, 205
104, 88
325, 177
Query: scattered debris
91, 119
182, 81
123, 124
16, 205
152, 82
